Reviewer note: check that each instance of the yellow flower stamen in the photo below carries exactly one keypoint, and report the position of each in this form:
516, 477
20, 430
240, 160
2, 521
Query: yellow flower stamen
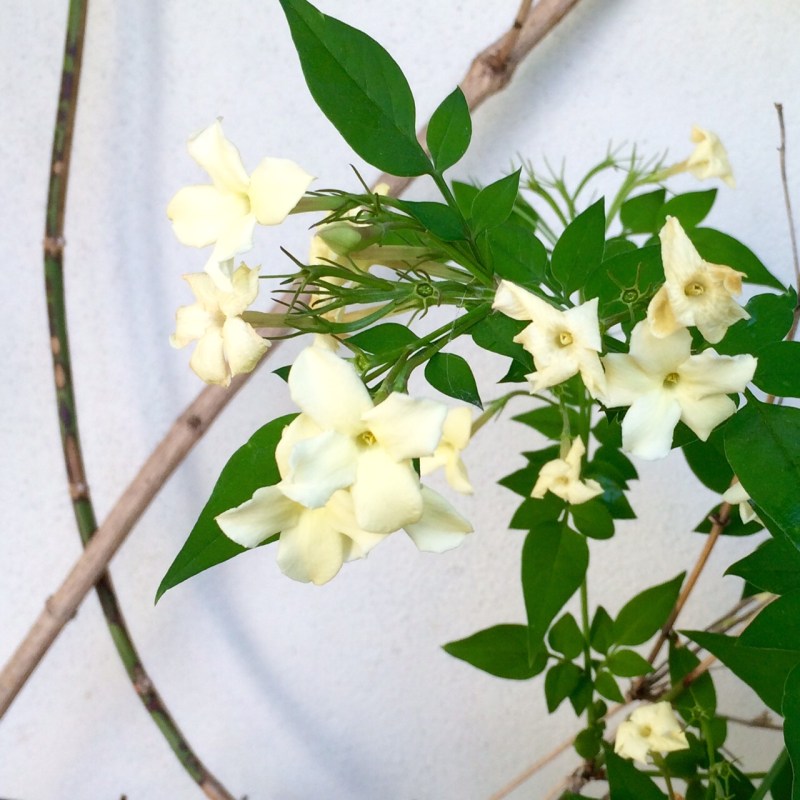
671, 380
694, 289
367, 438
564, 339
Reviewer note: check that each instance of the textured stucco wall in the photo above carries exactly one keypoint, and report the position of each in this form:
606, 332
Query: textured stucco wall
291, 692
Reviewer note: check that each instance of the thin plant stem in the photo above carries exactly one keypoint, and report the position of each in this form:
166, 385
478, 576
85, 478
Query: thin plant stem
769, 778
67, 410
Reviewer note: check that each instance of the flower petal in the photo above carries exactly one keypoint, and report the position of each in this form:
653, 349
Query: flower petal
358, 542
244, 290
660, 315
235, 238
657, 356
703, 415
312, 550
386, 494
268, 512
276, 186
208, 359
629, 743
513, 301
219, 158
405, 427
191, 322
301, 427
709, 373
626, 380
242, 346
581, 321
201, 214
680, 257
440, 527
648, 426
329, 390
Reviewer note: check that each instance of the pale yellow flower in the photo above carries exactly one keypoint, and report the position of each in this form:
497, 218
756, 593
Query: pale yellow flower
562, 343
650, 729
696, 293
225, 212
456, 434
737, 495
226, 344
709, 159
663, 383
561, 476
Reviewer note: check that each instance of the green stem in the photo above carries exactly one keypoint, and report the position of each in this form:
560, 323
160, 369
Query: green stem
769, 779
587, 652
494, 408
65, 399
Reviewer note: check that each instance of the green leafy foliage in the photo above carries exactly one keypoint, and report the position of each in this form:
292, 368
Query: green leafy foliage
771, 318
791, 726
699, 698
533, 512
601, 632
451, 375
645, 613
494, 203
708, 462
579, 251
640, 214
554, 562
449, 131
516, 254
593, 519
773, 567
438, 218
607, 687
495, 333
777, 626
565, 637
690, 208
625, 782
384, 338
778, 370
501, 651
625, 280
733, 527
249, 468
560, 682
360, 89
762, 442
549, 421
627, 664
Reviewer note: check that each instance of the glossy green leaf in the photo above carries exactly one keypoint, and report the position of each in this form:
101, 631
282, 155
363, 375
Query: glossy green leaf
516, 254
449, 131
764, 671
565, 637
771, 317
494, 203
762, 442
690, 208
700, 696
708, 462
384, 338
579, 250
626, 280
593, 519
778, 370
642, 616
452, 375
587, 744
640, 214
548, 420
607, 687
534, 512
554, 562
773, 567
628, 664
360, 89
601, 631
791, 726
282, 372
501, 651
781, 786
720, 248
495, 333
559, 683
441, 220
465, 194
734, 525
582, 695
625, 782
777, 627
249, 468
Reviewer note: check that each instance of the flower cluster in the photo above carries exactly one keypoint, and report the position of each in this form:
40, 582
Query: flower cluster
651, 729
347, 475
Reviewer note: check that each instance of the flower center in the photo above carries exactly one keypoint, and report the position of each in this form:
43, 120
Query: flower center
694, 289
671, 380
367, 438
564, 339
645, 731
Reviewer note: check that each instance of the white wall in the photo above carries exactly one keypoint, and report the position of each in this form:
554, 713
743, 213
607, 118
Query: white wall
291, 692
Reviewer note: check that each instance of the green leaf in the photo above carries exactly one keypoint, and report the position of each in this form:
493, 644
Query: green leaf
548, 420
449, 131
778, 370
384, 338
773, 567
625, 782
762, 442
606, 686
533, 512
708, 462
282, 372
781, 788
764, 671
496, 332
719, 248
699, 697
565, 637
734, 525
642, 616
791, 727
494, 203
771, 317
777, 627
559, 683
501, 651
640, 214
628, 664
249, 468
601, 631
465, 194
516, 254
626, 279
593, 519
554, 562
587, 744
582, 695
360, 89
441, 220
690, 208
451, 375
579, 251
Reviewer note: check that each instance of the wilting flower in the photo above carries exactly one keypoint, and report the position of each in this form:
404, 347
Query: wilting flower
709, 159
456, 433
562, 477
562, 343
314, 542
343, 440
226, 344
663, 383
737, 494
696, 292
650, 729
224, 213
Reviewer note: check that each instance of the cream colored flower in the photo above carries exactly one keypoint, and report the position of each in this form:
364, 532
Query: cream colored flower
440, 527
650, 729
695, 293
456, 433
225, 212
663, 382
562, 477
709, 159
737, 494
562, 343
226, 344
343, 440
